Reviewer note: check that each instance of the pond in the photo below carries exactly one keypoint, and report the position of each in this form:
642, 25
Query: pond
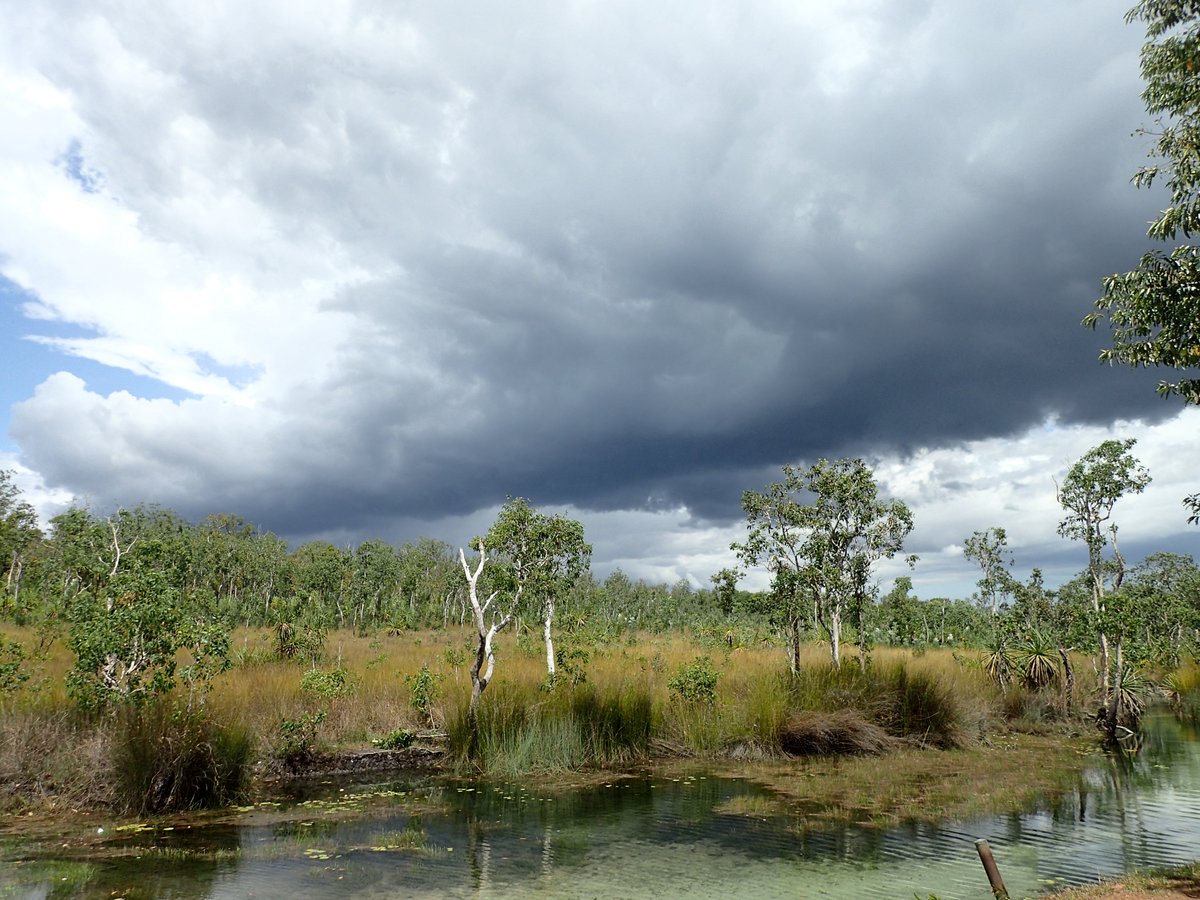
691, 836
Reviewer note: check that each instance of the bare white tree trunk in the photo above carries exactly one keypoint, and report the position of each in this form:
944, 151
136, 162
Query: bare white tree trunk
547, 619
835, 637
485, 657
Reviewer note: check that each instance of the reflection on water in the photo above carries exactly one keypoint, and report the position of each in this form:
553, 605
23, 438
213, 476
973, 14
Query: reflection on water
686, 837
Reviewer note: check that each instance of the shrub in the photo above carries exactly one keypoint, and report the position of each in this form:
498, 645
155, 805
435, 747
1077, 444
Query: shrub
423, 689
522, 730
124, 638
917, 705
695, 681
1038, 662
167, 759
329, 684
298, 740
12, 667
999, 663
396, 740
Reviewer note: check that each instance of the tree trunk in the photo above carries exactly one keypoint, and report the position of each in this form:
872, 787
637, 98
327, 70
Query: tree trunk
1105, 693
551, 671
794, 644
1114, 696
1069, 676
835, 638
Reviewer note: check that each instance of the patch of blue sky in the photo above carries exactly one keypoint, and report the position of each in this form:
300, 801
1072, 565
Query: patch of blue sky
239, 376
25, 363
75, 167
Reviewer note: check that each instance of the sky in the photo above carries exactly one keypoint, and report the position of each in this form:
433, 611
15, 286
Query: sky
364, 270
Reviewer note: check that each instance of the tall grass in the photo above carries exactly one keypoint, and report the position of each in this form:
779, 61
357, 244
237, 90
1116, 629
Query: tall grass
1182, 689
621, 712
522, 728
167, 758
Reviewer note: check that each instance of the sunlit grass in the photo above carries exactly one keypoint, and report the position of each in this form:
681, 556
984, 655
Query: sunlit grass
620, 713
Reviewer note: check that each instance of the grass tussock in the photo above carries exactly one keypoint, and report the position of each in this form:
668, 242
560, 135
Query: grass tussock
524, 730
168, 759
844, 732
907, 699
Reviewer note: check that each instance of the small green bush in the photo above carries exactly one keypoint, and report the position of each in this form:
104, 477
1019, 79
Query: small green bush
695, 681
12, 667
298, 739
396, 740
329, 684
423, 690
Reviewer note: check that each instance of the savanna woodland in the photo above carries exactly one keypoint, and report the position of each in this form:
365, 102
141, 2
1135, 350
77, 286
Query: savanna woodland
152, 663
149, 663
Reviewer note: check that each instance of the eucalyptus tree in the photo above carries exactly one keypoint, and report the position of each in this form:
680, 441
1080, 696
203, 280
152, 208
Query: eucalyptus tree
1153, 311
903, 614
1091, 489
431, 585
320, 575
725, 589
1163, 596
375, 585
821, 552
989, 550
490, 615
19, 533
541, 557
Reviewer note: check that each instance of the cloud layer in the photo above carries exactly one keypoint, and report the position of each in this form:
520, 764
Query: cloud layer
626, 258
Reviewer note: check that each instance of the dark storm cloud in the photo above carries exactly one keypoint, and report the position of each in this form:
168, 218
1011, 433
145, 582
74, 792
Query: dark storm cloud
620, 256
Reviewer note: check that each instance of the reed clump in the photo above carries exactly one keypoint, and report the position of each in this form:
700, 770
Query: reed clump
521, 730
167, 758
843, 732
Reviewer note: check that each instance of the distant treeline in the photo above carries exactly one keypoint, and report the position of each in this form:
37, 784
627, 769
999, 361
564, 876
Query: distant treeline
226, 569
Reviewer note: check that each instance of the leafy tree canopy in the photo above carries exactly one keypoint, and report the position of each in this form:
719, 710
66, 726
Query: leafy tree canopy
1154, 310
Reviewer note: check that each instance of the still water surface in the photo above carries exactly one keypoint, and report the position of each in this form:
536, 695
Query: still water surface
690, 837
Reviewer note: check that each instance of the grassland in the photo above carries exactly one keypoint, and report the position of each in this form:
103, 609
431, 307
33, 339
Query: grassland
938, 720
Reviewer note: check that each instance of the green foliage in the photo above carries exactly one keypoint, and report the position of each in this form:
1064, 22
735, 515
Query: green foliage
13, 674
1037, 660
725, 587
329, 684
1093, 485
124, 639
1154, 310
455, 657
297, 744
571, 660
989, 549
1132, 691
422, 692
300, 630
820, 554
999, 662
399, 739
520, 731
1091, 489
18, 535
541, 558
695, 682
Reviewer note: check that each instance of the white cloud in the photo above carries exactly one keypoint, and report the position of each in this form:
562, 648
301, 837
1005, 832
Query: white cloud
407, 262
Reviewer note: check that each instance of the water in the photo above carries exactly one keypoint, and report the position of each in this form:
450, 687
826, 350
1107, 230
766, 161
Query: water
690, 837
